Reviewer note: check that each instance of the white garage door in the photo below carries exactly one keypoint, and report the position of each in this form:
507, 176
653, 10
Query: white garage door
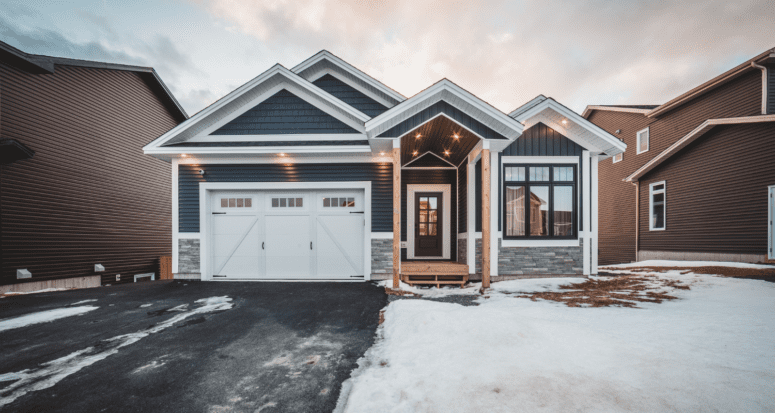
263, 235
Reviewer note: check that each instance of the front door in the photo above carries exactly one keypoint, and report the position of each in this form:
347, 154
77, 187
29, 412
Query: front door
428, 227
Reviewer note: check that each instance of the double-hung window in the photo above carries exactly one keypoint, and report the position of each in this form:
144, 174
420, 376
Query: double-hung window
643, 141
657, 206
539, 201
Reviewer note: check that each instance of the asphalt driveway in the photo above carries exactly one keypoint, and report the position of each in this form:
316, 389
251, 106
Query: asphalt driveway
175, 346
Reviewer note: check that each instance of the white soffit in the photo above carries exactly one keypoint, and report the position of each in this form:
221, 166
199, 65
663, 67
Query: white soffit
454, 95
252, 93
325, 61
569, 123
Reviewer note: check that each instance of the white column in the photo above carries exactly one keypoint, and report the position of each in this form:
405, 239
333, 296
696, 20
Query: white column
594, 245
471, 220
494, 190
585, 199
175, 220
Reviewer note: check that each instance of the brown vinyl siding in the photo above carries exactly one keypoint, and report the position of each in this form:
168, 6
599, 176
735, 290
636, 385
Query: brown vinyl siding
616, 199
89, 195
716, 193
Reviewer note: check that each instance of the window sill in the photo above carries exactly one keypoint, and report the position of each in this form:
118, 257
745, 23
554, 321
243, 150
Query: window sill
506, 243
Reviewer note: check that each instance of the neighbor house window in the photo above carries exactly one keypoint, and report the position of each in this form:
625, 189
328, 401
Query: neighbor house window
539, 201
657, 206
643, 140
618, 157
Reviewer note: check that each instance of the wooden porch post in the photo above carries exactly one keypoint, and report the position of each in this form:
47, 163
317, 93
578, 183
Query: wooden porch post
486, 218
396, 215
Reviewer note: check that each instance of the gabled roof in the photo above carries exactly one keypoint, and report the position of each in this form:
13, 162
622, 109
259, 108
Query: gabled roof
766, 57
693, 136
568, 123
246, 96
41, 64
447, 91
325, 61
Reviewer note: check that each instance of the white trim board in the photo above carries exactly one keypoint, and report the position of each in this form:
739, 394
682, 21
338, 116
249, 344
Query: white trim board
281, 138
588, 110
418, 157
446, 190
291, 158
205, 211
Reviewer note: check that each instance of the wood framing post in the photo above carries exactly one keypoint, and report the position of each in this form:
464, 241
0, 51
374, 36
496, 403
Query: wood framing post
396, 214
486, 222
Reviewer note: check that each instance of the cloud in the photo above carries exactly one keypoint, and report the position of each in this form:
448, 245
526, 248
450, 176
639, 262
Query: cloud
582, 52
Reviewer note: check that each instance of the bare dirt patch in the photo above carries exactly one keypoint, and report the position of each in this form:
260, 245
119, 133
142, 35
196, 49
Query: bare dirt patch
398, 291
621, 291
767, 274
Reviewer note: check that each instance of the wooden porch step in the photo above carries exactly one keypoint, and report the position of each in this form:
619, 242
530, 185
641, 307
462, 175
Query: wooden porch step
433, 268
435, 279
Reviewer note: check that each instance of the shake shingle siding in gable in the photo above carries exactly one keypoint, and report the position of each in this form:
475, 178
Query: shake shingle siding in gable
379, 174
284, 113
437, 109
350, 95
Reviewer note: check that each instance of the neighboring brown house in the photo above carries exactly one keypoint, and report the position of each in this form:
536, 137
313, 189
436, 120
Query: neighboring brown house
697, 174
75, 187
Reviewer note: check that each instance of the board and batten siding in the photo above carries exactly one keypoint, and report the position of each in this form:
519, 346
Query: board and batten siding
430, 177
716, 192
616, 199
380, 175
89, 195
448, 110
284, 113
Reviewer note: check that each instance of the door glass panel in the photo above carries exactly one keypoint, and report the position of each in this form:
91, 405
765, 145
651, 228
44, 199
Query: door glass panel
232, 202
515, 211
432, 217
432, 229
423, 203
292, 202
563, 211
351, 202
423, 216
248, 202
224, 202
282, 202
423, 230
539, 211
299, 203
434, 202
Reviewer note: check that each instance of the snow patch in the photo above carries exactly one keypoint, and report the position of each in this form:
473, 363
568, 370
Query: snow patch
51, 373
45, 290
145, 305
84, 302
687, 264
43, 317
708, 350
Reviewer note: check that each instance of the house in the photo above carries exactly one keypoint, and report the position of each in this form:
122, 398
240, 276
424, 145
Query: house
699, 183
77, 195
321, 172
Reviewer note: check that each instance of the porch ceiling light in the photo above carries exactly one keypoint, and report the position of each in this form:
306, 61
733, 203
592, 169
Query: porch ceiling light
565, 121
418, 136
382, 153
183, 155
281, 154
446, 153
414, 153
456, 136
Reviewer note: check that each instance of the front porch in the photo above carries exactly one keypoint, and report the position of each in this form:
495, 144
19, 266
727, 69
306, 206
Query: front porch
434, 273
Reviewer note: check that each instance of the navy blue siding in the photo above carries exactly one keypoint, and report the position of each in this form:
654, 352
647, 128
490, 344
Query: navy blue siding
380, 175
350, 95
284, 113
430, 177
451, 112
541, 140
771, 90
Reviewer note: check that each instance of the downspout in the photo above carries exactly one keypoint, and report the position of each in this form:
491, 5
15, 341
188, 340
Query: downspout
637, 218
764, 85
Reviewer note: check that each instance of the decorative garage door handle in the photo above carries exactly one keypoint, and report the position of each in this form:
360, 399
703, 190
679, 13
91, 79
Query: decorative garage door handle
262, 246
310, 245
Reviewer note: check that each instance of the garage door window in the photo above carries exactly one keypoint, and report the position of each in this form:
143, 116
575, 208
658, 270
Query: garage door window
339, 202
236, 202
287, 202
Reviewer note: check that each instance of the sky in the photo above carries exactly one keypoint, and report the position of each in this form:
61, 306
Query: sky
505, 52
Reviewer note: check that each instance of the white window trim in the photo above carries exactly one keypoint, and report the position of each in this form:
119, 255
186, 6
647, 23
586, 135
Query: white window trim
648, 141
651, 204
620, 155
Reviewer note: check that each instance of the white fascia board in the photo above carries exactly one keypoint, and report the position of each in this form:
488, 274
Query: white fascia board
274, 70
436, 89
280, 138
616, 145
325, 54
590, 108
532, 102
691, 137
291, 158
174, 150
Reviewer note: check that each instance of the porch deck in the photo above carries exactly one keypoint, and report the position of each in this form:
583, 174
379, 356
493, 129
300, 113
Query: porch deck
434, 273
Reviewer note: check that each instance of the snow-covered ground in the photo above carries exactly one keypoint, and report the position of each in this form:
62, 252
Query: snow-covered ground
44, 317
709, 350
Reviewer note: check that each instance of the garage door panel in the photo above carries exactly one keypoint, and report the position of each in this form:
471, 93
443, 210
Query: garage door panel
243, 266
231, 224
288, 249
340, 246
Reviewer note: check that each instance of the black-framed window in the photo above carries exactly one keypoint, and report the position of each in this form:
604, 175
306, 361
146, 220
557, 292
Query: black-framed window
539, 201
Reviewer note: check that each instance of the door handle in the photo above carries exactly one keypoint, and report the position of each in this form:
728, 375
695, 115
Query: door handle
310, 245
262, 246
356, 212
